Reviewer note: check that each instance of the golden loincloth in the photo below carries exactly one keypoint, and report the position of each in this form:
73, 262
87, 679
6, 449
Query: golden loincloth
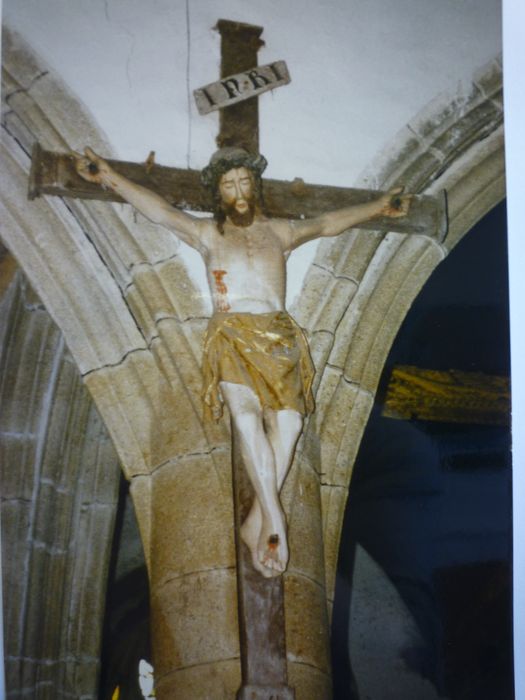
266, 352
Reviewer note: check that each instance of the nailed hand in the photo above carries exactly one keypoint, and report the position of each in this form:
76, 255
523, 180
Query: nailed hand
91, 167
394, 204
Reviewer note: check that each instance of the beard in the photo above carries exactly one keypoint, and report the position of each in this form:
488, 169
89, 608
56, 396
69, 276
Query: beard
243, 219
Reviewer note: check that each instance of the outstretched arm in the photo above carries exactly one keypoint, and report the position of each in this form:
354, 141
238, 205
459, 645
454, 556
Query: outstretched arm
188, 228
392, 204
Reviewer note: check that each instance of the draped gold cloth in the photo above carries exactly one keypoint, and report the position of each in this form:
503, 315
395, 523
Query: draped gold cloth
266, 352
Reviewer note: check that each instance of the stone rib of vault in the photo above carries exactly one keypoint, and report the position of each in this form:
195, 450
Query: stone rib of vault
455, 143
168, 452
149, 400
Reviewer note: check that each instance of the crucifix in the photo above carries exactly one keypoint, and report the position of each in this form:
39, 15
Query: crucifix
256, 358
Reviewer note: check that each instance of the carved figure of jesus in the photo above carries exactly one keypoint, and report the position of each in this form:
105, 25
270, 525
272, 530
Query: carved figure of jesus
256, 358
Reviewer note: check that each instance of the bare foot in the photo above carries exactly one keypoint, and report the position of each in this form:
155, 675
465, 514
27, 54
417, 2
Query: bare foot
269, 549
272, 548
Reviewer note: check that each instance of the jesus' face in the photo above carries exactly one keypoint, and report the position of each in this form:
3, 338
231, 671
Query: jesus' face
236, 188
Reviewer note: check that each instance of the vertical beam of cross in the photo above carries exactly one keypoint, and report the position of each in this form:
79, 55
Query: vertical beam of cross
239, 123
261, 600
261, 608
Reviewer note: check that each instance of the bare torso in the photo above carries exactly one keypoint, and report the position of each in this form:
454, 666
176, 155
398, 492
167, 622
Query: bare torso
246, 266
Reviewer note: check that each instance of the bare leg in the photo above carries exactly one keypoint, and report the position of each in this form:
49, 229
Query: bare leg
282, 429
267, 541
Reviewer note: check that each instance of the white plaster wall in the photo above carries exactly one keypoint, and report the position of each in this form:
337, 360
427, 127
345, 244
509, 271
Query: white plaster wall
360, 70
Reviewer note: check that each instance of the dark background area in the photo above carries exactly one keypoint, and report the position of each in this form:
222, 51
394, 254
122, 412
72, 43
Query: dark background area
431, 502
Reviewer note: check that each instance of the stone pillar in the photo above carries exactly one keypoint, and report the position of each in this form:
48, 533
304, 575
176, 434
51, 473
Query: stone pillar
307, 623
192, 578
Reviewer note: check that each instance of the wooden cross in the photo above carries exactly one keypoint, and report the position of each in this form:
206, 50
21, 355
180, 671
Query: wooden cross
55, 174
261, 601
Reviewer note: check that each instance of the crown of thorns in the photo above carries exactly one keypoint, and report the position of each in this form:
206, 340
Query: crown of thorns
226, 159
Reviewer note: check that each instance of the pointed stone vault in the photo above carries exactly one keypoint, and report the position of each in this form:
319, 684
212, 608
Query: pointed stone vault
127, 320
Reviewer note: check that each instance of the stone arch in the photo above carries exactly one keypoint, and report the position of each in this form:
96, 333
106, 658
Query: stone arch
135, 335
124, 314
361, 285
59, 486
355, 297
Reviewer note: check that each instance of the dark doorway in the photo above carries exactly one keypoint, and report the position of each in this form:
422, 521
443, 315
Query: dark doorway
430, 500
126, 638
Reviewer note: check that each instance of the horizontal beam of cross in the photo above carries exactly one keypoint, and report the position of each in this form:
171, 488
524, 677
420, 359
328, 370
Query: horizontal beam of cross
54, 174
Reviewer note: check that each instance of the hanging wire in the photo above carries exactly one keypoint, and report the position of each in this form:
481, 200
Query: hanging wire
188, 91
